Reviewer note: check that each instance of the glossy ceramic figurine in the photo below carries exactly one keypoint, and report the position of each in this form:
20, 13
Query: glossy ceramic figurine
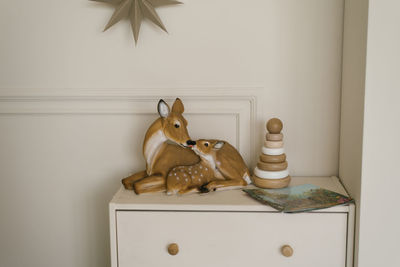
166, 145
221, 167
187, 179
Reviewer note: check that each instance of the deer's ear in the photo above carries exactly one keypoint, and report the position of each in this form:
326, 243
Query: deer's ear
218, 145
163, 108
178, 106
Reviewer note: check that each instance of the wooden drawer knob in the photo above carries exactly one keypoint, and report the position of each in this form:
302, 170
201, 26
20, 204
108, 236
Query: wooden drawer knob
287, 251
173, 249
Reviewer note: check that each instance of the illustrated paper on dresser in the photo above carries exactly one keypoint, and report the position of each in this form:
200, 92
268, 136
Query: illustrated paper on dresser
299, 198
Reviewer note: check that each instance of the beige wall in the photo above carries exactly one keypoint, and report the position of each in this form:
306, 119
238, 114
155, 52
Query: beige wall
379, 216
289, 49
370, 126
74, 104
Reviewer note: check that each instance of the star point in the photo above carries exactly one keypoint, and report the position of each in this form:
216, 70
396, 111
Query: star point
136, 11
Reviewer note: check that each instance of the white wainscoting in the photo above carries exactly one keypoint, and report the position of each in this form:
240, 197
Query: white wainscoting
226, 114
64, 152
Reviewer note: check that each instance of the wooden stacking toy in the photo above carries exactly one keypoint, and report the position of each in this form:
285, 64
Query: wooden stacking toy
271, 170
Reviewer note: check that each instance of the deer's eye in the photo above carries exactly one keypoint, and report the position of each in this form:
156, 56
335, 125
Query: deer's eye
177, 125
206, 144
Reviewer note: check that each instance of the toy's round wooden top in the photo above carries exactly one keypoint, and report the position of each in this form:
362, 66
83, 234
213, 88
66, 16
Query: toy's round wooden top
274, 126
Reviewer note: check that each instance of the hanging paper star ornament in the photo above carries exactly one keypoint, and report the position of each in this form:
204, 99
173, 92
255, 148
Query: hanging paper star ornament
136, 11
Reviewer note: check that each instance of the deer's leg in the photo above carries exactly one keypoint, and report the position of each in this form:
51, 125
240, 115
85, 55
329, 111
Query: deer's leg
128, 181
150, 184
188, 190
219, 185
153, 189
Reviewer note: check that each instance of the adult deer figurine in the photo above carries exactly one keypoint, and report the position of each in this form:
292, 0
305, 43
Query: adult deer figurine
166, 145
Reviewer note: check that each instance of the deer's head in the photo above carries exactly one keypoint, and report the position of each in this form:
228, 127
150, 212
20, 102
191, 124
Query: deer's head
174, 125
204, 147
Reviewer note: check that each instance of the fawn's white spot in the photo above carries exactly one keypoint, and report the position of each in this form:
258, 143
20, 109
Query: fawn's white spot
206, 168
186, 179
201, 167
185, 174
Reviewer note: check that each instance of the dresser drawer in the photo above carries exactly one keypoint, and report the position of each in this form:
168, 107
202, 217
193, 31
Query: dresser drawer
230, 238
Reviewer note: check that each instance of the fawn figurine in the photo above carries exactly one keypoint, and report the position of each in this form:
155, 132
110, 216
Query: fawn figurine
229, 168
166, 145
221, 167
187, 179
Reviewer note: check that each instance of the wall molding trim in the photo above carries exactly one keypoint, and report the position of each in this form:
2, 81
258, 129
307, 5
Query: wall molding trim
238, 102
142, 92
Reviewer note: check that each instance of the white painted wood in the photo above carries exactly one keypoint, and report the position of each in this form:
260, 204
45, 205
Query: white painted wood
351, 227
113, 235
229, 223
230, 238
232, 200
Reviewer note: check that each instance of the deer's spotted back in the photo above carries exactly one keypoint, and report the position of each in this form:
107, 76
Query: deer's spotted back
190, 176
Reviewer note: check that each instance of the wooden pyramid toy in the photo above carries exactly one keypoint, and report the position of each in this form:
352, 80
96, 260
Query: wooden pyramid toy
271, 170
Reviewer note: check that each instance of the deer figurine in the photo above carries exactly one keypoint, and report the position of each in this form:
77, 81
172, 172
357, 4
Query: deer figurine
187, 179
221, 167
166, 145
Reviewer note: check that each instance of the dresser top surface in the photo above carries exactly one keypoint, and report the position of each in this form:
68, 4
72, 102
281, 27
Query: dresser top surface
229, 200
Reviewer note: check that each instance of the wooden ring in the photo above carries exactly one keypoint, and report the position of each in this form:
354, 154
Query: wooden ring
272, 166
273, 144
272, 159
271, 175
271, 183
274, 137
272, 151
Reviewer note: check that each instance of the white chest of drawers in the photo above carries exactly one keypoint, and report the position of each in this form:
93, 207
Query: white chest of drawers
227, 228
